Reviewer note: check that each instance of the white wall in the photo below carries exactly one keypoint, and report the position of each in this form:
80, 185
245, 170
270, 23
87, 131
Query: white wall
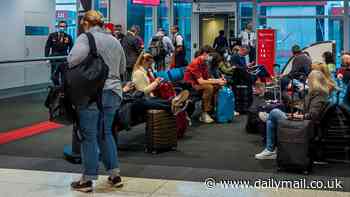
14, 44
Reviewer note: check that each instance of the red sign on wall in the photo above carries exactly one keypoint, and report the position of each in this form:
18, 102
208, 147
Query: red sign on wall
266, 49
147, 2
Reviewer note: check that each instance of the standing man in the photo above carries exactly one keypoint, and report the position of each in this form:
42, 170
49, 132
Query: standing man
248, 37
137, 30
221, 43
58, 44
132, 48
180, 50
161, 48
119, 32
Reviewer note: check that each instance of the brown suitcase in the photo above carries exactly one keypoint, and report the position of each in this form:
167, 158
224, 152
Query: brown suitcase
160, 131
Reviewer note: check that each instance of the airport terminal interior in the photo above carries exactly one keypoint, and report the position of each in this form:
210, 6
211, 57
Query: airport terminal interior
41, 156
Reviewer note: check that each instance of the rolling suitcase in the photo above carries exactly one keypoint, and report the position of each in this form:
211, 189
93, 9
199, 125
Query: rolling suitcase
293, 144
225, 105
160, 131
294, 139
244, 98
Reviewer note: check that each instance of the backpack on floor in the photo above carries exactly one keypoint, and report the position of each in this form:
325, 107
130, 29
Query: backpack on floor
225, 105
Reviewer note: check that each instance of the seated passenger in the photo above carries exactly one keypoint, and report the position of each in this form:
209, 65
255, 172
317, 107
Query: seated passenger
330, 61
214, 70
197, 75
328, 75
315, 102
300, 67
142, 78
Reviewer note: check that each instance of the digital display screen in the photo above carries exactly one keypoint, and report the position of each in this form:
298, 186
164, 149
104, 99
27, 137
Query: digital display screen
146, 2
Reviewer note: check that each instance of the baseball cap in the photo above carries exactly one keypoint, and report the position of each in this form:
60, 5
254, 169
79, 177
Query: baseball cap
296, 48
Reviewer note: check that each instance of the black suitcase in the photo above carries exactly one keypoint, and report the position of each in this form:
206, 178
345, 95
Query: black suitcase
161, 132
243, 98
293, 144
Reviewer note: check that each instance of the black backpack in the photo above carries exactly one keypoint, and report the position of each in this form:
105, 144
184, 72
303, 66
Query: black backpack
157, 48
84, 82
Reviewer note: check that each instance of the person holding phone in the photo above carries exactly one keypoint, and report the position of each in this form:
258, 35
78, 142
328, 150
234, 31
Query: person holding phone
315, 102
142, 77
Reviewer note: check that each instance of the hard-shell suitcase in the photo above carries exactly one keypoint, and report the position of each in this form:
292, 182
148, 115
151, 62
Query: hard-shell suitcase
225, 105
160, 131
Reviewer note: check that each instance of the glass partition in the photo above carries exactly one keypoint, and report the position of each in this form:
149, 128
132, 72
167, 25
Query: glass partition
302, 23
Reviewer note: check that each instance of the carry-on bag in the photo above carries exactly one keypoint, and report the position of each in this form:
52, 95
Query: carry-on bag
160, 131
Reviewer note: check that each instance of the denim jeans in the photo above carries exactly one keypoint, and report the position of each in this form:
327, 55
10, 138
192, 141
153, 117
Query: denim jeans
271, 127
156, 103
93, 141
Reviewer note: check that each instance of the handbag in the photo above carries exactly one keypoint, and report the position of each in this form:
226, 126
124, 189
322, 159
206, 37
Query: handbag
60, 109
85, 81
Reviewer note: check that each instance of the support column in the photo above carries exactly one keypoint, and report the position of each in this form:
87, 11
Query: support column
346, 25
171, 14
155, 18
118, 12
255, 20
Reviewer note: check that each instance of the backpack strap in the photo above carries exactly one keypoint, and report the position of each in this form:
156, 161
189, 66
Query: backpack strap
92, 43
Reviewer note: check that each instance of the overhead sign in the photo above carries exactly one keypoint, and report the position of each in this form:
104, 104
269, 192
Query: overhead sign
147, 2
266, 49
216, 7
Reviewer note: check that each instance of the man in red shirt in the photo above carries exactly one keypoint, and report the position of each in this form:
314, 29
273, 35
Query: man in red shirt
197, 75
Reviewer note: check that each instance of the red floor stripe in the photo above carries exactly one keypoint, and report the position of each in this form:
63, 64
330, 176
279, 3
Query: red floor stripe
21, 133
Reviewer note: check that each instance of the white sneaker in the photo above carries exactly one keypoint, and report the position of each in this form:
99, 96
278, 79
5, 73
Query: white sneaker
206, 118
266, 154
263, 116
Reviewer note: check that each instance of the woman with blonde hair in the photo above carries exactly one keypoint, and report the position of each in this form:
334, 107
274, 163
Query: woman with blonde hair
95, 139
315, 102
144, 81
328, 76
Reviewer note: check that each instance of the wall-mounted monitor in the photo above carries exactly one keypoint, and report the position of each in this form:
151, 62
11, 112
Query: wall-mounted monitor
147, 2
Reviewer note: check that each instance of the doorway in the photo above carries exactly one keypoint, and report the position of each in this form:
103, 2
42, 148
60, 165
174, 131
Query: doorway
211, 24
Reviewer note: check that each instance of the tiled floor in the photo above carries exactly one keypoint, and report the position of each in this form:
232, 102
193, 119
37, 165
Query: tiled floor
23, 183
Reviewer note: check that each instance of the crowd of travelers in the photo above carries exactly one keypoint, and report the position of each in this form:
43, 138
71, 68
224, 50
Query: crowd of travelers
133, 71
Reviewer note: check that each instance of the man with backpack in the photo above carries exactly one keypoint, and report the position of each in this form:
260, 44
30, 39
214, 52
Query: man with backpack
161, 49
96, 53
